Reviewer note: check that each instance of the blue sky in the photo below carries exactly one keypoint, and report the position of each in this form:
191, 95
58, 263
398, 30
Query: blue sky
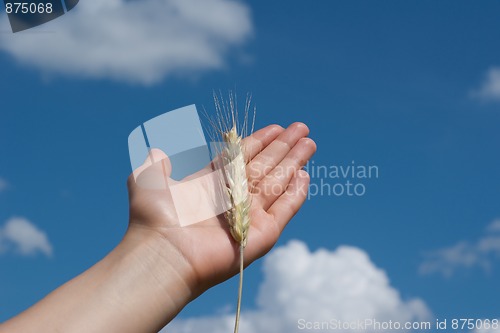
410, 87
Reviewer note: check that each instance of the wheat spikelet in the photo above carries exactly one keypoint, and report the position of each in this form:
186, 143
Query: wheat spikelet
236, 181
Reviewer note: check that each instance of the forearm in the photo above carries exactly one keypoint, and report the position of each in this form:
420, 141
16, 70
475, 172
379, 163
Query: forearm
136, 288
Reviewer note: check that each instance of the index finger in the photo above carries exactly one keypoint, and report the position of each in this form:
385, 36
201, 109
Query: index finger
259, 140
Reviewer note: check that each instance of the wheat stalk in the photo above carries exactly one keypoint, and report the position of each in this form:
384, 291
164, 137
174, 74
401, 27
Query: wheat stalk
236, 181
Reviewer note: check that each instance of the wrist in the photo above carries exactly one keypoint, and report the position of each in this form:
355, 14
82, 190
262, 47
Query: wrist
153, 279
155, 255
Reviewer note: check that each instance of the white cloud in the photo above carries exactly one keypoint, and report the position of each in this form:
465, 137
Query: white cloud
24, 237
480, 253
316, 287
490, 88
3, 185
139, 41
494, 226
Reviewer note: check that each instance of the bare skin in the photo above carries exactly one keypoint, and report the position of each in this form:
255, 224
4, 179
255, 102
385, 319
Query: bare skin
158, 269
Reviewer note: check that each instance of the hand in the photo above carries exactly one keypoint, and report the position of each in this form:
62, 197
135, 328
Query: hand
208, 254
160, 266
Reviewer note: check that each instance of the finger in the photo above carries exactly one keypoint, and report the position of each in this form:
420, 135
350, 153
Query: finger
259, 140
273, 154
274, 184
289, 202
154, 173
155, 155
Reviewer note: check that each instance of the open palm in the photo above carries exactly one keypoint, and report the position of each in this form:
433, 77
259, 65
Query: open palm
278, 187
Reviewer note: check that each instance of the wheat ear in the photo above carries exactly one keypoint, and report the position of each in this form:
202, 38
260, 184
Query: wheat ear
238, 216
237, 186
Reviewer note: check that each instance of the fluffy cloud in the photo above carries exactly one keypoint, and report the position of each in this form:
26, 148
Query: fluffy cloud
314, 287
23, 237
139, 41
494, 226
465, 254
490, 88
3, 185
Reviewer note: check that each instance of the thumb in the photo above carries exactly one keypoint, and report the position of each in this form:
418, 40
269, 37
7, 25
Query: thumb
154, 173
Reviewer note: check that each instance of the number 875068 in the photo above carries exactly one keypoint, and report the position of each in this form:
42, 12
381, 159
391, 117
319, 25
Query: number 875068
28, 8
